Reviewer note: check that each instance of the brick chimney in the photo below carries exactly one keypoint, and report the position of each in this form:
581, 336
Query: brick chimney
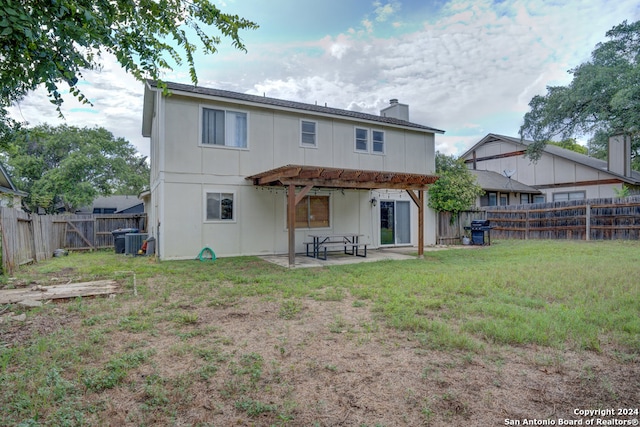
396, 110
619, 155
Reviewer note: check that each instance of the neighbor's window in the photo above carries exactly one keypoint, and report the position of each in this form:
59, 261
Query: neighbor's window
308, 133
538, 198
104, 210
524, 198
378, 141
219, 207
570, 195
362, 139
504, 199
493, 199
225, 128
313, 212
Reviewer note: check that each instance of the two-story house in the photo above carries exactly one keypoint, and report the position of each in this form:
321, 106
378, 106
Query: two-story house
233, 172
558, 175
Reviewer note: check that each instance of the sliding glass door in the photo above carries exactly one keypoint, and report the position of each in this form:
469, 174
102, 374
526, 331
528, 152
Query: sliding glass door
395, 222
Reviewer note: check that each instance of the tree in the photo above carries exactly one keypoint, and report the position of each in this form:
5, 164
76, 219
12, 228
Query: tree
603, 98
570, 144
456, 190
52, 42
69, 167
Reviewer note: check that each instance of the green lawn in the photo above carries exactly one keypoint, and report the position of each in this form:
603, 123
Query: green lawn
577, 296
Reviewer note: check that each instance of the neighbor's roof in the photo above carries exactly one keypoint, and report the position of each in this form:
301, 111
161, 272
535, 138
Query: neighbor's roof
493, 181
6, 184
271, 102
118, 202
573, 156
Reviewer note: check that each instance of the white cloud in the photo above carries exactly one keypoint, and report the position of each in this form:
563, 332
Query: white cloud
473, 62
117, 105
368, 25
477, 62
384, 11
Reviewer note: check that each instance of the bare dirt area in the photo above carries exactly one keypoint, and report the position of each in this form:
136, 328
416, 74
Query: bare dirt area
260, 362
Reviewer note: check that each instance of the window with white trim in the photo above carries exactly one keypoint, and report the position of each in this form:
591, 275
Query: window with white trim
219, 206
378, 141
362, 139
308, 134
369, 140
224, 128
569, 195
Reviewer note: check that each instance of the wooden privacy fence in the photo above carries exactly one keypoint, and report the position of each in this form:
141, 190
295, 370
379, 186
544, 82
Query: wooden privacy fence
592, 219
451, 228
31, 238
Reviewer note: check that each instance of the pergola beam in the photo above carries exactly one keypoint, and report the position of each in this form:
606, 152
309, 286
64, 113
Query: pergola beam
353, 185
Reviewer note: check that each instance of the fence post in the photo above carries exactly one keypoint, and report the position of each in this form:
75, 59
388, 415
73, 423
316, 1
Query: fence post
526, 226
587, 220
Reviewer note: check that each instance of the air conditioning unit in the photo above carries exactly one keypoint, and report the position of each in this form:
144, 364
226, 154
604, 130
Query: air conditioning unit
133, 242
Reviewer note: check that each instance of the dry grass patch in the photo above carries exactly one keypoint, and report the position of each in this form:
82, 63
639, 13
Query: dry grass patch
220, 345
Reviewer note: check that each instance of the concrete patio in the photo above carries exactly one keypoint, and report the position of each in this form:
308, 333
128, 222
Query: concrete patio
373, 255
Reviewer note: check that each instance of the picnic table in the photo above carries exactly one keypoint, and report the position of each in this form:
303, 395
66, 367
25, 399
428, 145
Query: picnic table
321, 243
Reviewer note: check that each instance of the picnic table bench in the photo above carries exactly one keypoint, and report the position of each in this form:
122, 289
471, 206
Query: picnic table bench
322, 243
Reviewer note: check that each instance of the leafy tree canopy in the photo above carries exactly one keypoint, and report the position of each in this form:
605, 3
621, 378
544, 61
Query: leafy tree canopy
570, 144
52, 42
69, 167
603, 98
456, 190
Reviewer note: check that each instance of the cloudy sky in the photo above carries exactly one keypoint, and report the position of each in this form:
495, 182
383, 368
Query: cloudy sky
469, 67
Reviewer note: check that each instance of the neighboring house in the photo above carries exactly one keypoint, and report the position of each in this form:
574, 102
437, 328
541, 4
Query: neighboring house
10, 196
231, 171
502, 190
559, 174
114, 205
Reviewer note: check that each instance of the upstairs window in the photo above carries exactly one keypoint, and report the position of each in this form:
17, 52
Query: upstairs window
378, 141
369, 140
224, 128
362, 139
307, 133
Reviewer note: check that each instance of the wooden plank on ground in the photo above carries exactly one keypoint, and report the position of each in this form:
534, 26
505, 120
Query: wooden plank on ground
69, 290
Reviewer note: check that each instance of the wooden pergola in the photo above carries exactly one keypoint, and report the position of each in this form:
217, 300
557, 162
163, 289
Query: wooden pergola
308, 177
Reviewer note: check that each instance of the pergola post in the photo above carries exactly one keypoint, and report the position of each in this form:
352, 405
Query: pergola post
292, 201
419, 201
291, 221
421, 224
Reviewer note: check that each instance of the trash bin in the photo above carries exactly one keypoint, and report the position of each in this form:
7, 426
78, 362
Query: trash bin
118, 238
